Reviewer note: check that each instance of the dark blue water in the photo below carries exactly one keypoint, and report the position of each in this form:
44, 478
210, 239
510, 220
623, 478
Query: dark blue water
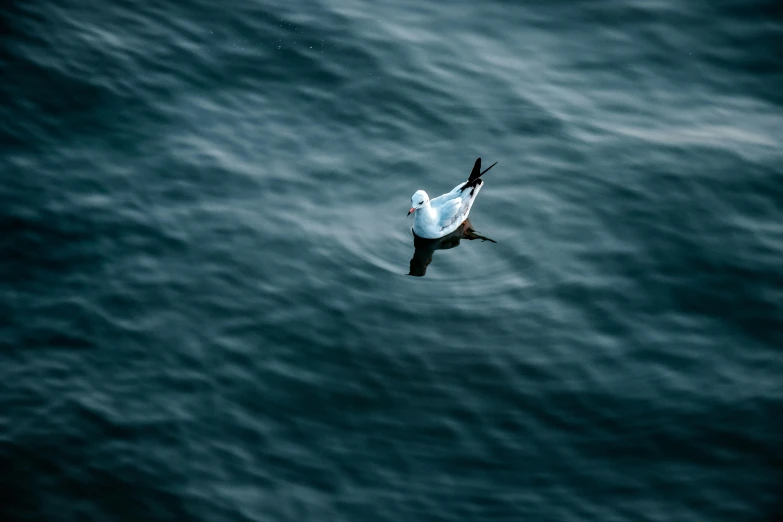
205, 312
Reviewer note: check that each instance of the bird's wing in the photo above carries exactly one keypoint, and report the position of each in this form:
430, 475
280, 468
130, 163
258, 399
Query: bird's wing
449, 211
448, 196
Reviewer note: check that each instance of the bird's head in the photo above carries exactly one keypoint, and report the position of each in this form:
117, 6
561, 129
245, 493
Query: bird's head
418, 200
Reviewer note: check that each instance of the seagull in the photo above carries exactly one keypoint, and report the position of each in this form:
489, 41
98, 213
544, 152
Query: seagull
435, 218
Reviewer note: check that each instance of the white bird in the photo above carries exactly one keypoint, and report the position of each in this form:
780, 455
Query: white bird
441, 216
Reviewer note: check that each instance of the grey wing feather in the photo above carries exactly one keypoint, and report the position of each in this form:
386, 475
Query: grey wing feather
449, 212
456, 192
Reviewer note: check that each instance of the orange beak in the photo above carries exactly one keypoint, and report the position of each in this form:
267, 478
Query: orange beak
411, 211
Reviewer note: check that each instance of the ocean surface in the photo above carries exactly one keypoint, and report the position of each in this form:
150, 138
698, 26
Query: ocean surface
206, 312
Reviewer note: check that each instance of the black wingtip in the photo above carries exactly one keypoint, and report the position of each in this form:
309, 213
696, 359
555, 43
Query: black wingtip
486, 169
476, 174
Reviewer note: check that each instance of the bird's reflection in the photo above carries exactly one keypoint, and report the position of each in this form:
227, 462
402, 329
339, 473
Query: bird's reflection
425, 248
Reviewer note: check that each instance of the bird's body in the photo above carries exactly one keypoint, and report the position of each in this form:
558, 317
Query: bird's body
438, 217
443, 215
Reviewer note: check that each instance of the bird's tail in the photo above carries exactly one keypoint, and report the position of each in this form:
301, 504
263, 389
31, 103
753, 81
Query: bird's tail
476, 173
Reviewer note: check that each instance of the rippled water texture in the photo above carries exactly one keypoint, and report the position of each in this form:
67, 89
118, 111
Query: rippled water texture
204, 299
